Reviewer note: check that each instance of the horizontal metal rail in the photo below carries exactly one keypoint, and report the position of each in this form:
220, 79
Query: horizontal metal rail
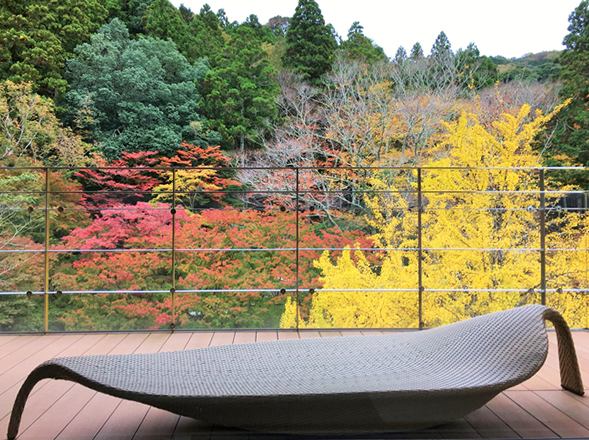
293, 168
286, 191
290, 290
334, 249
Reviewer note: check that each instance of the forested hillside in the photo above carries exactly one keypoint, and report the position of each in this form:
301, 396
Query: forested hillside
137, 85
532, 67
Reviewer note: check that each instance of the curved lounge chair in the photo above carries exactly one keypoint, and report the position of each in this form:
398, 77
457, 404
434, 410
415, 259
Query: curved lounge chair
367, 384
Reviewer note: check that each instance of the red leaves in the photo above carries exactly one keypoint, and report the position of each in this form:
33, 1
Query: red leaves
191, 155
125, 180
258, 253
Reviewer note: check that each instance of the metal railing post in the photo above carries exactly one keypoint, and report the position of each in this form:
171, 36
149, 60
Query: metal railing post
173, 289
46, 284
419, 248
297, 246
542, 237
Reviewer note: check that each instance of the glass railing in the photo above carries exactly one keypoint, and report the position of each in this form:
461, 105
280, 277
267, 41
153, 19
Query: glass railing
115, 249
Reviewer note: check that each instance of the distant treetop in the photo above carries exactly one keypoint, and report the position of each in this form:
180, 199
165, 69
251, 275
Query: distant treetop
310, 43
360, 47
441, 48
416, 51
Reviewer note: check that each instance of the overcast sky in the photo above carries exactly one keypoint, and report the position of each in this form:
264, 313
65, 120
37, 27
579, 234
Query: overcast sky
501, 27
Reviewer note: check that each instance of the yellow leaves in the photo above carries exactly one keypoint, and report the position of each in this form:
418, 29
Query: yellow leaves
188, 181
479, 231
380, 88
289, 317
29, 127
364, 307
564, 158
507, 143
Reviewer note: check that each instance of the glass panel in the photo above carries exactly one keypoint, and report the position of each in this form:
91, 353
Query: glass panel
21, 313
106, 271
108, 311
22, 232
476, 269
271, 189
230, 310
22, 228
231, 265
567, 284
22, 204
395, 308
239, 281
567, 260
443, 307
358, 232
123, 254
127, 186
21, 271
464, 225
573, 305
481, 247
118, 285
567, 242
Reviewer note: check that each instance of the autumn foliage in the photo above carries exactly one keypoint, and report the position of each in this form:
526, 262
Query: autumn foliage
149, 239
480, 231
257, 253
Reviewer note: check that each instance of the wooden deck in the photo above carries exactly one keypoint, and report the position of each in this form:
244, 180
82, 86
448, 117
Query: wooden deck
61, 410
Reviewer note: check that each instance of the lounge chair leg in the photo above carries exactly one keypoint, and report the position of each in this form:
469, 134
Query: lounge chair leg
570, 375
40, 373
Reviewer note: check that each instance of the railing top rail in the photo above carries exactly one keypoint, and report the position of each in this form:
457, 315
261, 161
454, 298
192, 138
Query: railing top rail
293, 168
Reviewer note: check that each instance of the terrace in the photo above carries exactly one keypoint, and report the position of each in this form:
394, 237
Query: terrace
69, 293
537, 408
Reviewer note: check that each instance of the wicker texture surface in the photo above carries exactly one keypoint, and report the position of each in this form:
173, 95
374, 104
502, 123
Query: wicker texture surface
361, 384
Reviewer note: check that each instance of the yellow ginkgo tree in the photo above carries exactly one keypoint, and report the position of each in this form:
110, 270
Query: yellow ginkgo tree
468, 225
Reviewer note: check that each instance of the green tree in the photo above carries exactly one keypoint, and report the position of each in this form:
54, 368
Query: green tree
571, 136
186, 13
205, 36
441, 49
548, 71
401, 55
131, 13
262, 33
141, 93
360, 47
442, 68
276, 52
36, 39
162, 20
222, 16
481, 71
416, 52
240, 93
310, 44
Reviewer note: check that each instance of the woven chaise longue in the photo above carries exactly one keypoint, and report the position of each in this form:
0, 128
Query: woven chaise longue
369, 384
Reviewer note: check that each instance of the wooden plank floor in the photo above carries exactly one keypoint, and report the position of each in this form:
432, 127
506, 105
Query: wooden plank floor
61, 410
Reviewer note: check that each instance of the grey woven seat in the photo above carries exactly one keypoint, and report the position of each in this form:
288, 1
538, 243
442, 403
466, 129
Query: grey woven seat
367, 384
